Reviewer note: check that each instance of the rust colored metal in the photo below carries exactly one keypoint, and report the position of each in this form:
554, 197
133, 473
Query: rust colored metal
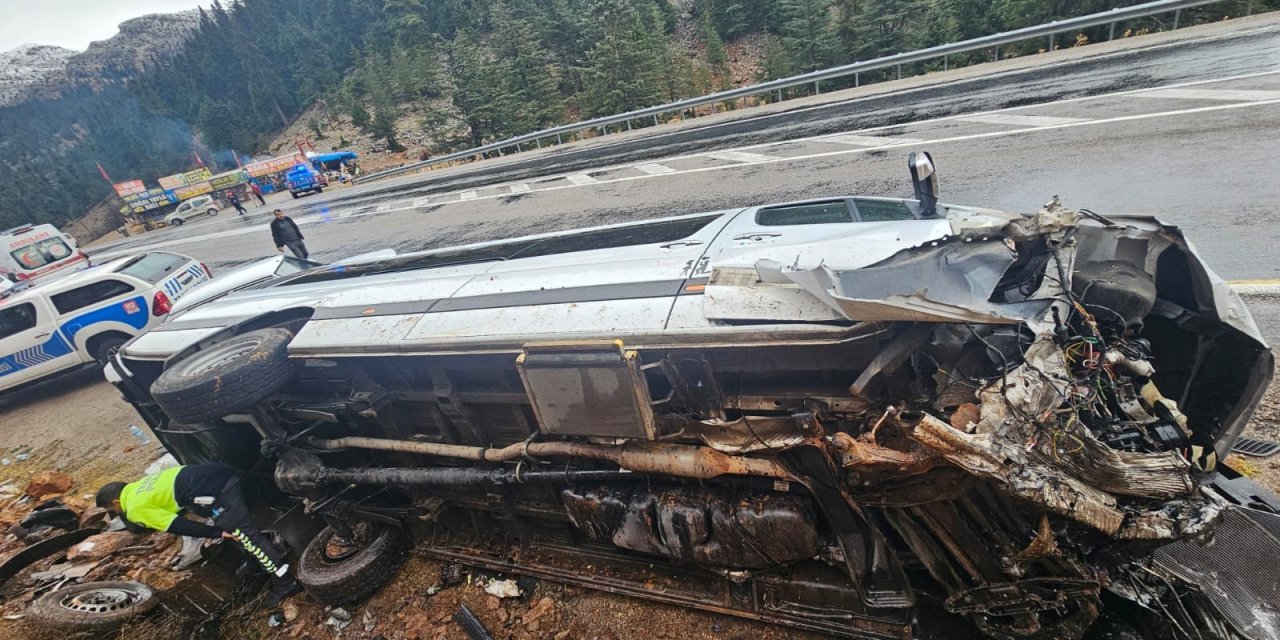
684, 461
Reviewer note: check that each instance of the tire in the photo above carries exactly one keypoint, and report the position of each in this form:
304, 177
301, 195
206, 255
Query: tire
294, 194
227, 378
104, 348
212, 212
357, 574
177, 222
92, 606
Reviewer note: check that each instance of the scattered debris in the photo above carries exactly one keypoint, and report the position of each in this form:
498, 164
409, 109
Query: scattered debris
471, 624
1256, 448
503, 589
339, 618
368, 620
290, 611
163, 462
276, 619
102, 545
51, 514
47, 484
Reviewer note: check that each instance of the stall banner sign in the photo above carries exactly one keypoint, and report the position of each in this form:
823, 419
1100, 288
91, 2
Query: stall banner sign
196, 176
153, 199
228, 179
274, 165
130, 188
191, 191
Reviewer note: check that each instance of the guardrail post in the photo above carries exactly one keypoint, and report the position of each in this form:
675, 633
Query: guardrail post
899, 72
817, 87
997, 53
558, 139
628, 125
1051, 39
1111, 32
779, 95
519, 148
538, 141
655, 119
1177, 15
946, 62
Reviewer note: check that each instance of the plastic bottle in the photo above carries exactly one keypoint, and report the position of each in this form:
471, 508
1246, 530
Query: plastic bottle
138, 433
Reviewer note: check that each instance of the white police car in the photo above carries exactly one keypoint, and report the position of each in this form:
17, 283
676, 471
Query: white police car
82, 318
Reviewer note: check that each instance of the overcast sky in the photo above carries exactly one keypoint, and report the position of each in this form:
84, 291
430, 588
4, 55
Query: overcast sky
73, 24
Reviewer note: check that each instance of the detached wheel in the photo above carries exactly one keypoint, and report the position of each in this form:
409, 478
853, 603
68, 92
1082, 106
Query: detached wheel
92, 606
338, 571
227, 378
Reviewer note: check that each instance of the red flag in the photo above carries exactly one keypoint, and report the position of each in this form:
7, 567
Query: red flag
198, 160
104, 173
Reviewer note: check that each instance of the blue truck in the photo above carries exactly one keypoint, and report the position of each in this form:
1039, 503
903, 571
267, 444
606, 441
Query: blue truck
303, 179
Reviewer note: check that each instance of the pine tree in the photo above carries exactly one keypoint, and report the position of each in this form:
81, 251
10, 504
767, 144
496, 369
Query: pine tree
806, 33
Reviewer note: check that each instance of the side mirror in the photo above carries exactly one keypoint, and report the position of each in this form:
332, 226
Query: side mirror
924, 180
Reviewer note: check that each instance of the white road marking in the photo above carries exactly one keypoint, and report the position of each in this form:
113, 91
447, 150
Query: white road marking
468, 195
580, 179
739, 156
866, 141
655, 169
382, 207
347, 214
1019, 120
520, 187
424, 201
1238, 95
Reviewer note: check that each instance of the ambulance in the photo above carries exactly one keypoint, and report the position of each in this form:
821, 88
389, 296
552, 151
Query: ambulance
38, 252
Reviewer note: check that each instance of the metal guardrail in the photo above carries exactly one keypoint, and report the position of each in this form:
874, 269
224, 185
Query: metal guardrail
1049, 30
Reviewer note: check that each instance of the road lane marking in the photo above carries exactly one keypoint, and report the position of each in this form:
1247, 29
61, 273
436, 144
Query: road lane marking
867, 141
1019, 120
468, 195
520, 187
424, 201
1236, 95
382, 208
655, 169
580, 179
740, 156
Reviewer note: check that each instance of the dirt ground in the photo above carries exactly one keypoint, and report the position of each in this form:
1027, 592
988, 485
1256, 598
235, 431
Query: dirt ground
80, 426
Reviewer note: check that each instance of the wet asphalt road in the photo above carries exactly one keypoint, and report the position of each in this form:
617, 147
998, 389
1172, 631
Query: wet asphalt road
1182, 127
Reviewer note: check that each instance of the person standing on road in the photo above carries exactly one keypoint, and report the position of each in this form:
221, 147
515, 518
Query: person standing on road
211, 490
286, 234
257, 193
235, 202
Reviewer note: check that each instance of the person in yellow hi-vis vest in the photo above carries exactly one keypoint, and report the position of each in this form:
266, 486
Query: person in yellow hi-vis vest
154, 502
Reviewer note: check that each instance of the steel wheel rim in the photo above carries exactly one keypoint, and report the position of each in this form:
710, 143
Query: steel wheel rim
100, 600
200, 363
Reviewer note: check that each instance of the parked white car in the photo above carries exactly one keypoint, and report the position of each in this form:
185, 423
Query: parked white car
82, 318
195, 207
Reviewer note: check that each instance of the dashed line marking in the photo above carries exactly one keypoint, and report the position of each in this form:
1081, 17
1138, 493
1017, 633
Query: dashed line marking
655, 169
382, 207
347, 214
421, 202
1019, 120
580, 178
1233, 95
468, 195
868, 141
741, 156
520, 187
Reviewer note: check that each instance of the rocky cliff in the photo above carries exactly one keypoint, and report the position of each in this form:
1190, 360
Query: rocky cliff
40, 71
